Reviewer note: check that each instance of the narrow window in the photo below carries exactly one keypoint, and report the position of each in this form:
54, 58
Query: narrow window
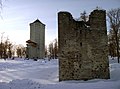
65, 42
81, 44
80, 31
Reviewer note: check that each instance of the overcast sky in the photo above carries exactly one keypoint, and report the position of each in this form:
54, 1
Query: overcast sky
16, 15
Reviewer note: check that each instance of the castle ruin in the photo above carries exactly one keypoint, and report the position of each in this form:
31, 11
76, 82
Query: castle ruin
83, 50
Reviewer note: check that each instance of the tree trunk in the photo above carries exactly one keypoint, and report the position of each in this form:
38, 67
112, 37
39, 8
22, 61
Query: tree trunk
117, 45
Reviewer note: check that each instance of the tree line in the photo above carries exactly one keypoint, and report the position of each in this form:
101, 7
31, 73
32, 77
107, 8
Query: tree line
114, 32
10, 50
51, 51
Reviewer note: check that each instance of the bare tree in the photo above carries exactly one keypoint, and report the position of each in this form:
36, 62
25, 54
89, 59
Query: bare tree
0, 4
1, 45
114, 20
112, 44
55, 48
21, 51
51, 50
10, 51
6, 47
84, 16
46, 51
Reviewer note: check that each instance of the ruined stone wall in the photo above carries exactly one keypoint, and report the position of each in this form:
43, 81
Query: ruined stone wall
83, 52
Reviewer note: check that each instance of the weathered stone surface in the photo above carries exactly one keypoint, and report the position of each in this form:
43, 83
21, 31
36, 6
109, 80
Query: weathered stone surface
83, 52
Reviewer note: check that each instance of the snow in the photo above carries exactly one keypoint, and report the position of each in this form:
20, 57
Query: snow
43, 74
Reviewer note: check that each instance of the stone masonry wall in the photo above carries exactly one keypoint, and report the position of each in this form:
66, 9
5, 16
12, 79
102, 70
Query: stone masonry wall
83, 52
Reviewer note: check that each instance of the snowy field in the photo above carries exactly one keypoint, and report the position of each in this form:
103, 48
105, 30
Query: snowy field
29, 74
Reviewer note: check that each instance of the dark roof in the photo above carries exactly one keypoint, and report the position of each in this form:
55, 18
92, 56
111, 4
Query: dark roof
37, 21
32, 43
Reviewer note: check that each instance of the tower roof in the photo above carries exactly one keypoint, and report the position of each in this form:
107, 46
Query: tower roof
37, 21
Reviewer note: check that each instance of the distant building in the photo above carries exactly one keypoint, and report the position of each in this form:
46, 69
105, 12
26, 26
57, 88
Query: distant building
36, 44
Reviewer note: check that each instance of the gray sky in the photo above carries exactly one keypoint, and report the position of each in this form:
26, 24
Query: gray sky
18, 14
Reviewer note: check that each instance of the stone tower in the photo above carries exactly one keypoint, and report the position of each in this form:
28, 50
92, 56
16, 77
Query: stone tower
83, 52
36, 44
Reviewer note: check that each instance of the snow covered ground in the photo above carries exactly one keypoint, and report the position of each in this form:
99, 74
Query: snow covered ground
29, 74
